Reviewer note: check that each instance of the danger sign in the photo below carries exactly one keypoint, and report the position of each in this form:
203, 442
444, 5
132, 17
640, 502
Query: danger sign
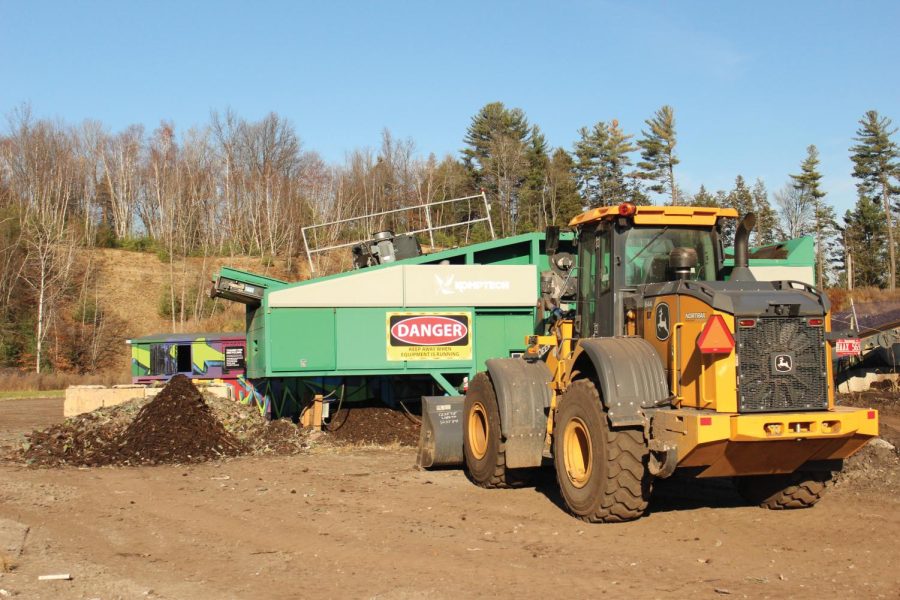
429, 330
428, 336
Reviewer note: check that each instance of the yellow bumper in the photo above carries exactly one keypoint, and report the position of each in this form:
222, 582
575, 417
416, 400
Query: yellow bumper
730, 444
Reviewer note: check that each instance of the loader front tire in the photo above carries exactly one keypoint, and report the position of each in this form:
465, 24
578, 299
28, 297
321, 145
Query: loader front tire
602, 472
482, 444
801, 489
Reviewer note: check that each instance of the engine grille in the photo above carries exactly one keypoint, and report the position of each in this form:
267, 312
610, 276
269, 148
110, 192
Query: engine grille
764, 352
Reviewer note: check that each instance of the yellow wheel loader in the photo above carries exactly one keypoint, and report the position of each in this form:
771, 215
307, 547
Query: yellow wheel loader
668, 362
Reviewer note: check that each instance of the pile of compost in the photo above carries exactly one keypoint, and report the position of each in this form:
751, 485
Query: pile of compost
376, 425
174, 427
886, 401
81, 441
179, 425
877, 465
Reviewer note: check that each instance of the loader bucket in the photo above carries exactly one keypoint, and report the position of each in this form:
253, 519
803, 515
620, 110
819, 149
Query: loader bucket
441, 436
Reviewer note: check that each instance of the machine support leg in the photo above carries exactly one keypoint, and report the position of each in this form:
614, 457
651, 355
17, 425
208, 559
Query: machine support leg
445, 385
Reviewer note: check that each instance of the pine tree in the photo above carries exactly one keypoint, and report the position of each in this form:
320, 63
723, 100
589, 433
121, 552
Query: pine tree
876, 164
588, 167
767, 230
721, 199
864, 235
534, 186
740, 199
703, 198
494, 120
562, 201
619, 185
602, 157
497, 156
830, 251
824, 226
658, 158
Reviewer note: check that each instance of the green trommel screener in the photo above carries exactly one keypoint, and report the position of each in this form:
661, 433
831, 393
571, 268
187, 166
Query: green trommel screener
395, 331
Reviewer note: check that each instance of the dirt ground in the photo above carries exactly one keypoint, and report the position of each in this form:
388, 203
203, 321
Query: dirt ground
362, 522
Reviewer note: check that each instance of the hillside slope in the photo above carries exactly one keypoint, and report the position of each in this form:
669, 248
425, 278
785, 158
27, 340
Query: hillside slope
133, 287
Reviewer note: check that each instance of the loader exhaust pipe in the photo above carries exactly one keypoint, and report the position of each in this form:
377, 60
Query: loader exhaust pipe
741, 270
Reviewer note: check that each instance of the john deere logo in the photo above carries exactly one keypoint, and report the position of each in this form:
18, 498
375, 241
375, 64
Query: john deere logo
662, 322
784, 363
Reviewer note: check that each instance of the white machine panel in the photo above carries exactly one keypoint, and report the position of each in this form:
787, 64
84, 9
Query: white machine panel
412, 286
773, 273
470, 285
379, 287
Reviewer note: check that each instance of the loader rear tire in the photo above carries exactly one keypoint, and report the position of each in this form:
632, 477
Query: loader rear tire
602, 472
482, 444
802, 489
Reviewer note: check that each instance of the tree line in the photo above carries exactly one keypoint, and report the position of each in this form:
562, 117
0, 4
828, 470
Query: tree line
234, 186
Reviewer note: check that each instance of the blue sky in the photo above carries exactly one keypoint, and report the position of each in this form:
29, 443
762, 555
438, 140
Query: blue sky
752, 83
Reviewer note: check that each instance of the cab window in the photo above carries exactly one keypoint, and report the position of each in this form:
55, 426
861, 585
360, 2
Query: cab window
647, 253
603, 260
587, 279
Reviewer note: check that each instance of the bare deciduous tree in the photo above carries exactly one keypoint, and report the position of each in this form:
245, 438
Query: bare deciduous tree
797, 211
42, 167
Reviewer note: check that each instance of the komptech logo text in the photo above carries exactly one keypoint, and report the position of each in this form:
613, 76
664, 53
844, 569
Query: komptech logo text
450, 285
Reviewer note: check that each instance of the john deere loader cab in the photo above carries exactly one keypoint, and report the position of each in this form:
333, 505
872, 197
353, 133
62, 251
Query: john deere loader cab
669, 361
617, 259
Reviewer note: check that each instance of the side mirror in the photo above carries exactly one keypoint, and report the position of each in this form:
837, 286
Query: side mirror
551, 245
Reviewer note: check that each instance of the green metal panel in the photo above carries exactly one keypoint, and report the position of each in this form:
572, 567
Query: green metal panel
797, 252
257, 365
518, 253
301, 339
252, 278
362, 339
499, 333
360, 334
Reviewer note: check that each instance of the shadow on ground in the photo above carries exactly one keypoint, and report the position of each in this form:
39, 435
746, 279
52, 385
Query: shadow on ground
673, 494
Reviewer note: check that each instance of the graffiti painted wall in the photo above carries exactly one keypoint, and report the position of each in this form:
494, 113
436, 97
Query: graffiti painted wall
199, 356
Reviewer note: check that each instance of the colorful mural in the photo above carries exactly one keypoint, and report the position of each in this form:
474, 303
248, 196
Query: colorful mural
247, 394
219, 358
197, 355
210, 357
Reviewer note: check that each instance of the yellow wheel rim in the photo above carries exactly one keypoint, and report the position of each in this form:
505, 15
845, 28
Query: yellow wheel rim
478, 430
577, 452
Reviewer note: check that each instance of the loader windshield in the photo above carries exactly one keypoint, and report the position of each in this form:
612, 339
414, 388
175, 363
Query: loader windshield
647, 253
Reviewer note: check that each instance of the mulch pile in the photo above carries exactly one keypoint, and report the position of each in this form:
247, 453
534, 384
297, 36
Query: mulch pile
177, 426
886, 401
877, 465
374, 425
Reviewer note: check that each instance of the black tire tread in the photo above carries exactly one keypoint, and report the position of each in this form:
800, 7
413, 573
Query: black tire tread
500, 478
627, 492
802, 489
627, 479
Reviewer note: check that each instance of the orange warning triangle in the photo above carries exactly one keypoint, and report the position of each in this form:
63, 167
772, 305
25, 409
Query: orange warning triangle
715, 337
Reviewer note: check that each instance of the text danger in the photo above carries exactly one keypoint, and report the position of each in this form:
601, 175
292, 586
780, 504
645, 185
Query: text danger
429, 330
